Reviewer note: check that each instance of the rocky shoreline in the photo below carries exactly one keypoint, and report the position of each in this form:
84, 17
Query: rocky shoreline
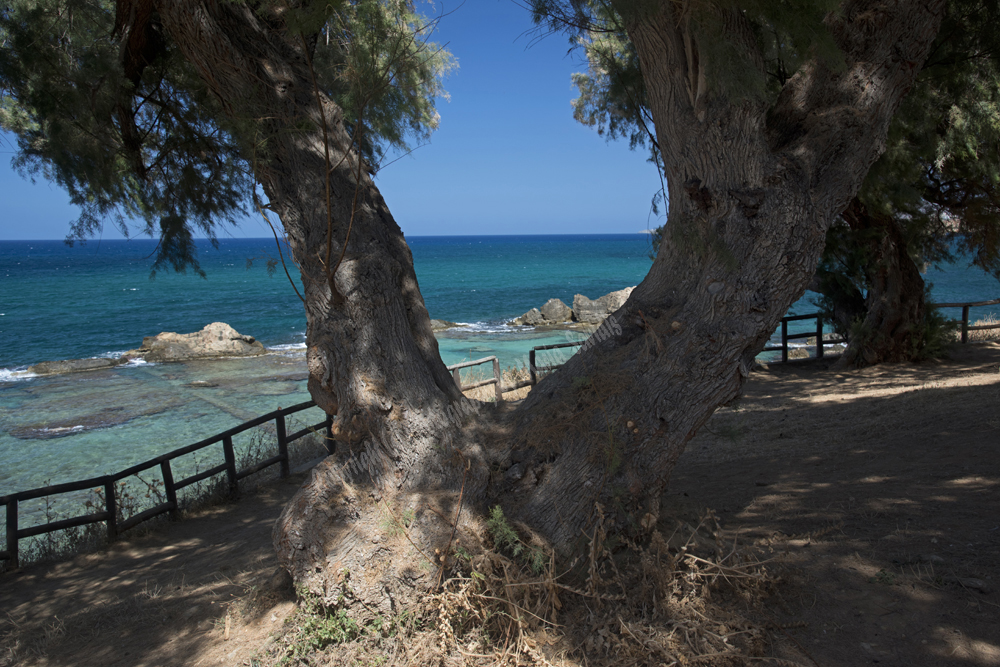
216, 340
584, 310
219, 340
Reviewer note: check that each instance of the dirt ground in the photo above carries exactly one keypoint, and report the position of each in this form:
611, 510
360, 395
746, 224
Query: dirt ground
879, 489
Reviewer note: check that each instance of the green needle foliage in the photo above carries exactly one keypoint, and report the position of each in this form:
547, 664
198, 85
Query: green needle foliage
140, 139
939, 178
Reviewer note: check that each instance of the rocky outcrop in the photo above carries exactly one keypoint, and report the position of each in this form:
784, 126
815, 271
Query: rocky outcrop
555, 310
533, 318
218, 339
584, 310
73, 366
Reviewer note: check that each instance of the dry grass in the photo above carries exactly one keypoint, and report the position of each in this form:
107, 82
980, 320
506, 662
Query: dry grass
985, 334
677, 595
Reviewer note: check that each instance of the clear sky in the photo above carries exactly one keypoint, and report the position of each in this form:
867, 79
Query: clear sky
508, 157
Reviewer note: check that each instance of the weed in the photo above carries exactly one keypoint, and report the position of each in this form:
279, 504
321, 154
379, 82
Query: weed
506, 538
883, 577
393, 526
315, 627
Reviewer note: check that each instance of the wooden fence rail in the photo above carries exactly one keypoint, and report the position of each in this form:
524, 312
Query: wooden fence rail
821, 342
965, 315
496, 380
170, 486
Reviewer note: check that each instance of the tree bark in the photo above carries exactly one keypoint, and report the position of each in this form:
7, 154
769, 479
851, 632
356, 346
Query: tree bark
753, 189
894, 307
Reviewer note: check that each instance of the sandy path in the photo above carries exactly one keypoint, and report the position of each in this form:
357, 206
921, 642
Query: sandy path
161, 599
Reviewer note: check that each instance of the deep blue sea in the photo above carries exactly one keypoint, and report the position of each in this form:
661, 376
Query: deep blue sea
58, 302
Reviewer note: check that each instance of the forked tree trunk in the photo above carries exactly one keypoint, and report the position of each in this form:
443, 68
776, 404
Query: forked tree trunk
890, 328
752, 192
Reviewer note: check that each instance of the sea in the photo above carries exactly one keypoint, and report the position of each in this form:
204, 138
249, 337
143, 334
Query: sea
100, 300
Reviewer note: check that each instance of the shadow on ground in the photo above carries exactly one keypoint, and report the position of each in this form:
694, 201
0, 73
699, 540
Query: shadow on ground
881, 489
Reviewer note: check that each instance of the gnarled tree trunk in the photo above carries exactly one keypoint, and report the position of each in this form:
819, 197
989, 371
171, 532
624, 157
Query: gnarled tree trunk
889, 328
752, 192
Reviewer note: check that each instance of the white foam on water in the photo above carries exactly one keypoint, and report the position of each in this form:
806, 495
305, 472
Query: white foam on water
63, 430
288, 347
138, 361
15, 374
488, 327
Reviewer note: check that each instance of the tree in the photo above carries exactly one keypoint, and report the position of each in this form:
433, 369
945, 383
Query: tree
930, 198
755, 180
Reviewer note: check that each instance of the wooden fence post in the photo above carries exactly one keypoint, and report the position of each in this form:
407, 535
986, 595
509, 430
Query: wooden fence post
168, 488
784, 341
279, 423
819, 336
965, 324
457, 374
531, 367
227, 449
499, 378
111, 505
12, 532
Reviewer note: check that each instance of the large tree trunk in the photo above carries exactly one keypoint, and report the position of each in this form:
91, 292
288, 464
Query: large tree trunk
373, 360
891, 326
752, 191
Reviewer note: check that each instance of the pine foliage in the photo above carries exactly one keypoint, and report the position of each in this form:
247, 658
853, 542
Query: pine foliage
133, 135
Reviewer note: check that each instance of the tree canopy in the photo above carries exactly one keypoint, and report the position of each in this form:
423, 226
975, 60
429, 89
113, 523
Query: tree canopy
127, 126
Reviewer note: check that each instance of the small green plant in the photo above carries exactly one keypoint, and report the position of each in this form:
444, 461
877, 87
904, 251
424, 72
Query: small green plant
581, 383
395, 526
883, 577
506, 538
316, 627
934, 336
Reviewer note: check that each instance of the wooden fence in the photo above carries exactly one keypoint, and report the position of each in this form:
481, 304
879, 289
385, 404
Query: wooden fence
497, 379
965, 316
170, 487
821, 342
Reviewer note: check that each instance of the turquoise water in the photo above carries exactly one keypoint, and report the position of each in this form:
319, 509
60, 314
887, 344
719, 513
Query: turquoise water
58, 302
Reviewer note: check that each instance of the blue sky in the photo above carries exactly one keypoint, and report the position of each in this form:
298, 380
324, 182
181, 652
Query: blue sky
508, 157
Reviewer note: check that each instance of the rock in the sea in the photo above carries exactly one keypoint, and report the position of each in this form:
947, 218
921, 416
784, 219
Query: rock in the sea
595, 311
441, 325
218, 339
73, 366
556, 311
584, 310
587, 310
532, 317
